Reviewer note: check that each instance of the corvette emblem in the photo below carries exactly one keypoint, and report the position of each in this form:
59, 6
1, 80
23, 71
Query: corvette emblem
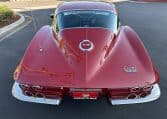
86, 45
132, 69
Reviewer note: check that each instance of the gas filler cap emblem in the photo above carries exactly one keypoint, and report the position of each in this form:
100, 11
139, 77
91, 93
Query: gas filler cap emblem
86, 45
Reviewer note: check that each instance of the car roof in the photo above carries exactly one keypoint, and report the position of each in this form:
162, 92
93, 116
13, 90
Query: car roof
86, 5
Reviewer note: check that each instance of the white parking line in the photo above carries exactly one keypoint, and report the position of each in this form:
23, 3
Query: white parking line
18, 28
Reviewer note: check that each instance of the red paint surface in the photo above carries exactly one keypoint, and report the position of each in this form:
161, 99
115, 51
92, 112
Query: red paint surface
70, 67
47, 64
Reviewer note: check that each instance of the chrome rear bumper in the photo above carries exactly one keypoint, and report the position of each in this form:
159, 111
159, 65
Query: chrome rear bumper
17, 93
155, 94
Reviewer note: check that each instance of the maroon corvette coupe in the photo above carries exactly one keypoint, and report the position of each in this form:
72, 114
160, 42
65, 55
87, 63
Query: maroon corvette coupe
85, 54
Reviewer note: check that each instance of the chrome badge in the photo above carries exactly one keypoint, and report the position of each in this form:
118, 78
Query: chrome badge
86, 45
128, 69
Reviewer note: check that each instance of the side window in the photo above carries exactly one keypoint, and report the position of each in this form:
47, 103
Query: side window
55, 24
118, 22
56, 29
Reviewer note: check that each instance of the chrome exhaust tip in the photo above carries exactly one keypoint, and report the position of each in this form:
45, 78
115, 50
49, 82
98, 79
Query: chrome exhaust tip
28, 93
132, 96
39, 95
143, 94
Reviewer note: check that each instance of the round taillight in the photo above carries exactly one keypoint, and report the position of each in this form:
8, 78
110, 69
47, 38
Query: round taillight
40, 95
28, 93
132, 96
37, 87
135, 89
24, 86
147, 88
143, 94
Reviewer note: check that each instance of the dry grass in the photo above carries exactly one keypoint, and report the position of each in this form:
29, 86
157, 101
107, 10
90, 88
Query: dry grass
7, 16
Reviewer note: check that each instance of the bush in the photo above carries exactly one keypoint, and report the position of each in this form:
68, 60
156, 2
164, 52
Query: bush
6, 13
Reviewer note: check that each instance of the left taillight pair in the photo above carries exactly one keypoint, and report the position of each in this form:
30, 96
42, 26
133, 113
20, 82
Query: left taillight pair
26, 86
41, 92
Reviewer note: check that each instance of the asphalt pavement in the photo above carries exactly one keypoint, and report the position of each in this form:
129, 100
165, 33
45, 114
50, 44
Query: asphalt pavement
149, 20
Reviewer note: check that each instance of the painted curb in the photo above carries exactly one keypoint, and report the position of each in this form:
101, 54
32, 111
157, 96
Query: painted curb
13, 25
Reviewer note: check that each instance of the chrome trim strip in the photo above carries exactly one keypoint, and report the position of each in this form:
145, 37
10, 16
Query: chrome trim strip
115, 32
85, 98
155, 94
58, 12
85, 89
17, 93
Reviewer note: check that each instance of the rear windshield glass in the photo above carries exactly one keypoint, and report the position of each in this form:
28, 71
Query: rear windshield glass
87, 18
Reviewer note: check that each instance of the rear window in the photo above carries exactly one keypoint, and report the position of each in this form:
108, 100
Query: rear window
87, 18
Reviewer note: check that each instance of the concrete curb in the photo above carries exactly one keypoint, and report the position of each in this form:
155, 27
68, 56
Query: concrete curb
133, 1
13, 25
34, 8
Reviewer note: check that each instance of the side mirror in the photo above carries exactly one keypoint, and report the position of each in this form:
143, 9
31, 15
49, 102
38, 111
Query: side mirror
51, 16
